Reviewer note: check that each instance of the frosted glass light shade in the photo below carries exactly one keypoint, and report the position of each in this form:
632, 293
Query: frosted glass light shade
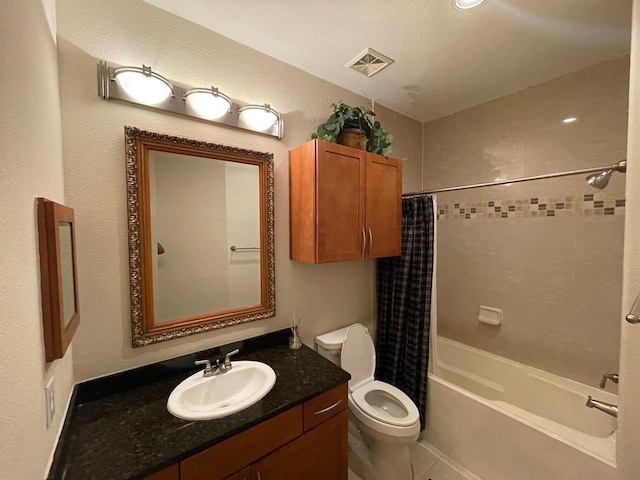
143, 85
208, 103
467, 4
259, 117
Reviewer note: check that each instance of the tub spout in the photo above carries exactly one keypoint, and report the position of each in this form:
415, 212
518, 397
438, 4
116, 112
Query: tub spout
608, 408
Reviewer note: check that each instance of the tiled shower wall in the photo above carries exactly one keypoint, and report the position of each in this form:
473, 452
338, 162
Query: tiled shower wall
549, 252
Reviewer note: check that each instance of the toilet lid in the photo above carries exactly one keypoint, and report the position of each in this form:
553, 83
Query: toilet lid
358, 356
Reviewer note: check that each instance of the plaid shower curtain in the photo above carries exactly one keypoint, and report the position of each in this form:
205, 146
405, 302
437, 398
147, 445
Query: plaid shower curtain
404, 304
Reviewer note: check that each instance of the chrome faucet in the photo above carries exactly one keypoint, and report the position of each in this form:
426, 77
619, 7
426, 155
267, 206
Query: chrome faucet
217, 369
209, 371
227, 361
608, 408
614, 377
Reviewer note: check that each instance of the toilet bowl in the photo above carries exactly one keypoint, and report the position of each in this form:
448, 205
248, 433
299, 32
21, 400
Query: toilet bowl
386, 418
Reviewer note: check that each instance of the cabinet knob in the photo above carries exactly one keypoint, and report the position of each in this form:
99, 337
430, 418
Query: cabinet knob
370, 240
364, 242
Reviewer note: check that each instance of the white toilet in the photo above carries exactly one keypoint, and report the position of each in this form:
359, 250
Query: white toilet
386, 418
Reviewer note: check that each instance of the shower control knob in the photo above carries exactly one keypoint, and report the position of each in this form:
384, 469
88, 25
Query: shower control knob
614, 377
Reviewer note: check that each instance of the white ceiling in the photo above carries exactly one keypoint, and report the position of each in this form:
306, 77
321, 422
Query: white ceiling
446, 60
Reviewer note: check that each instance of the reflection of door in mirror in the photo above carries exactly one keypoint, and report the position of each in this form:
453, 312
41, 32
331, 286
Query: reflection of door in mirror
201, 237
66, 272
243, 233
200, 208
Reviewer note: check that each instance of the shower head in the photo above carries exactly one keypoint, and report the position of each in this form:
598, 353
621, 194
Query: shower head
601, 179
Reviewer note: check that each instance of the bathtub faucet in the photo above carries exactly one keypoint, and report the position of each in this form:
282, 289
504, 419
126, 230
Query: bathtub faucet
614, 377
608, 408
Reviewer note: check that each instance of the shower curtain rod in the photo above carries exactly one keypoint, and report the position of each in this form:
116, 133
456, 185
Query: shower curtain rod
517, 180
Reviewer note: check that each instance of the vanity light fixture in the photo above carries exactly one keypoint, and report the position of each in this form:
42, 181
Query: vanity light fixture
259, 117
142, 86
208, 103
467, 4
569, 119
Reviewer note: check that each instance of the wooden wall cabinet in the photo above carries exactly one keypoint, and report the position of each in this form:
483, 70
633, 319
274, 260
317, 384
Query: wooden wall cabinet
345, 204
307, 442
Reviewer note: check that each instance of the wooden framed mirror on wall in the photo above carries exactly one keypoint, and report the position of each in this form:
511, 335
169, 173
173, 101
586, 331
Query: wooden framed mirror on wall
201, 235
58, 276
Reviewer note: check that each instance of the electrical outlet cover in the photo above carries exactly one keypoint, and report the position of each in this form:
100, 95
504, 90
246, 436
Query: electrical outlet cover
50, 401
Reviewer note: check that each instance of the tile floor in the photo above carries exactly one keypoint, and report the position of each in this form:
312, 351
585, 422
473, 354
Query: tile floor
427, 465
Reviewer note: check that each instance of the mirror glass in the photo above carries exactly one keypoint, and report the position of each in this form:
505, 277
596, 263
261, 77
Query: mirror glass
200, 235
205, 225
66, 271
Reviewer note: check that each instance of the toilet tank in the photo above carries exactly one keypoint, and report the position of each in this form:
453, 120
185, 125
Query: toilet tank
329, 344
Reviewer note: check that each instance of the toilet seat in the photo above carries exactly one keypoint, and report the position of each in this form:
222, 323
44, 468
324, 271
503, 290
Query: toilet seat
386, 403
381, 405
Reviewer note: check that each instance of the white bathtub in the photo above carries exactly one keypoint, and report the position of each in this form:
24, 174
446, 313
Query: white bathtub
506, 421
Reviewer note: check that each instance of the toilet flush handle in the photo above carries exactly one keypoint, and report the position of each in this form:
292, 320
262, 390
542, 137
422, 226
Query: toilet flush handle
328, 408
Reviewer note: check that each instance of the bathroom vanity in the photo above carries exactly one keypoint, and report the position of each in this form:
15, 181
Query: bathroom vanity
305, 442
119, 428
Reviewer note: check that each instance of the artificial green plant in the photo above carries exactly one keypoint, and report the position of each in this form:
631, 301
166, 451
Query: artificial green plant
346, 116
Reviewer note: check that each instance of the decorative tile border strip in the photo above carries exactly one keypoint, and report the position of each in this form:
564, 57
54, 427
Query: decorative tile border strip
589, 204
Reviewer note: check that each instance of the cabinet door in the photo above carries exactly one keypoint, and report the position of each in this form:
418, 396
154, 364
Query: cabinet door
245, 474
383, 218
320, 454
340, 184
241, 450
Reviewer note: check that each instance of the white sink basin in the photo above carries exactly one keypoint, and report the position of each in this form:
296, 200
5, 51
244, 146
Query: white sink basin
202, 398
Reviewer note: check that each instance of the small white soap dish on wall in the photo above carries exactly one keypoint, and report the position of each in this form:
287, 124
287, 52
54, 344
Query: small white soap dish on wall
490, 315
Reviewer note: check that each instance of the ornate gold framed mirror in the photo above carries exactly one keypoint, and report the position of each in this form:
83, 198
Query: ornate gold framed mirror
201, 235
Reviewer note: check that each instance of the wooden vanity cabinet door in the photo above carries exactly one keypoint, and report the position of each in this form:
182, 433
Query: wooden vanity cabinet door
240, 451
245, 474
319, 454
326, 186
383, 217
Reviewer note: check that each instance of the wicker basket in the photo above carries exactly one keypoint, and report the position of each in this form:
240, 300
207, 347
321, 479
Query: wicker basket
352, 137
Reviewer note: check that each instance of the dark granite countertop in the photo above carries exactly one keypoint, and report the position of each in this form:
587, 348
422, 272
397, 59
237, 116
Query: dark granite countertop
130, 434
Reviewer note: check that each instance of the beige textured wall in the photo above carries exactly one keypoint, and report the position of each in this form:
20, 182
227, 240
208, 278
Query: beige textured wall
557, 278
133, 32
629, 396
31, 161
407, 145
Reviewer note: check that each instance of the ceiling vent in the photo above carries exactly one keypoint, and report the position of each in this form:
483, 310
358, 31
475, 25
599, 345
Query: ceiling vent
369, 62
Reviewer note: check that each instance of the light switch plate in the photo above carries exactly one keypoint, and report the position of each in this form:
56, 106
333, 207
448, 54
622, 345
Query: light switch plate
50, 401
